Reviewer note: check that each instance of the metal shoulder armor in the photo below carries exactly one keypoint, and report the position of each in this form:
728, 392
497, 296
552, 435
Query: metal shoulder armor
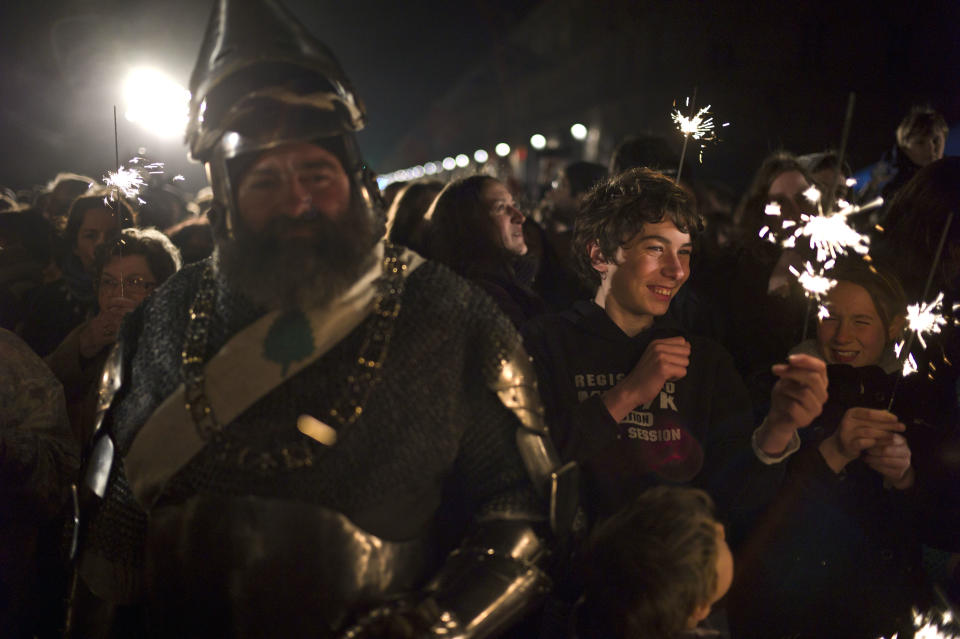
101, 457
514, 380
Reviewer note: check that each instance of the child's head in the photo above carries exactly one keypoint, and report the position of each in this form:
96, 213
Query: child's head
655, 568
865, 315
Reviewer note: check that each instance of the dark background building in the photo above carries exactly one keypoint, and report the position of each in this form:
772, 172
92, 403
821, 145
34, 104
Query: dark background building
442, 78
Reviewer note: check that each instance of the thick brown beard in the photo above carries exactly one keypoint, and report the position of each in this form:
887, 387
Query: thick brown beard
278, 272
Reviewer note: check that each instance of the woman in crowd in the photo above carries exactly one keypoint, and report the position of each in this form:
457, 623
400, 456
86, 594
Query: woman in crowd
838, 553
127, 270
58, 307
476, 228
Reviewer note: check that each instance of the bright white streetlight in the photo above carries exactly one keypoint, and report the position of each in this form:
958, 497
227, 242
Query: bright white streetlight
156, 102
480, 156
578, 131
537, 141
430, 168
462, 160
449, 163
502, 149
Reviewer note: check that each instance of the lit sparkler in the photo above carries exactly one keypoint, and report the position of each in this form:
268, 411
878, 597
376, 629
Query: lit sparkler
698, 125
127, 181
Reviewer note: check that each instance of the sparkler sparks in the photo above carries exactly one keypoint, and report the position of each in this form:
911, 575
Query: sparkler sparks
812, 194
924, 318
928, 627
830, 234
815, 284
700, 126
127, 181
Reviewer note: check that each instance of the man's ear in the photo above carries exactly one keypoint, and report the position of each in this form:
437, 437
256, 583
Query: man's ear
597, 259
896, 327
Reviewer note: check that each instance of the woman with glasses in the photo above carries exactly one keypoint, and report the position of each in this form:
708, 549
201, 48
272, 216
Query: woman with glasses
127, 269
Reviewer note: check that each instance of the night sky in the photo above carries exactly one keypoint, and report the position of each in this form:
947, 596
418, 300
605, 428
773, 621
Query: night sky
443, 77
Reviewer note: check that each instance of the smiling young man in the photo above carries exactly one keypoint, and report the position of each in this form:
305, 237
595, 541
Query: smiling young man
631, 397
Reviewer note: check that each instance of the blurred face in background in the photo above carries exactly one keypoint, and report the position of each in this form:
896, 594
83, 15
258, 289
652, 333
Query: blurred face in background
787, 191
97, 224
507, 218
925, 148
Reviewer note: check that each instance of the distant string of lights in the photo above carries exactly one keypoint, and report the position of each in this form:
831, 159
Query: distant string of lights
461, 161
160, 105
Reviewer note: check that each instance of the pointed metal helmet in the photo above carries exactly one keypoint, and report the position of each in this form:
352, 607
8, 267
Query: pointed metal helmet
262, 80
261, 74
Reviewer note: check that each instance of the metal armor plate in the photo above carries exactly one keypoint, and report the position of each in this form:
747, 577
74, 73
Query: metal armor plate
257, 567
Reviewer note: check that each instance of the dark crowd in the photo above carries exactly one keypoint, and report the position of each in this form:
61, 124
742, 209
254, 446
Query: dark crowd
297, 404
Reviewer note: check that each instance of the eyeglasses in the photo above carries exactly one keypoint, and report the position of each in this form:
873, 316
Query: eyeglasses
131, 284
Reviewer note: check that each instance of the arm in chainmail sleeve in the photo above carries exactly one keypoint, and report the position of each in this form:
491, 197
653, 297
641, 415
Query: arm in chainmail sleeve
496, 574
39, 457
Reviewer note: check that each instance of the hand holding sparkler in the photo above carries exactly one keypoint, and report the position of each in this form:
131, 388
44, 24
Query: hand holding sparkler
796, 400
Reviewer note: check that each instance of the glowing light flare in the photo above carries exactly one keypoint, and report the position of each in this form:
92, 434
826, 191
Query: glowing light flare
449, 164
502, 149
462, 160
537, 141
578, 131
851, 182
156, 102
772, 208
480, 156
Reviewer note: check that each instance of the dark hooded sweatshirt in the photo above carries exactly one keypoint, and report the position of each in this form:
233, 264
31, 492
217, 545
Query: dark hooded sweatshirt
696, 431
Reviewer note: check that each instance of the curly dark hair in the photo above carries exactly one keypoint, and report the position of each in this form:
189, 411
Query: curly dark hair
617, 209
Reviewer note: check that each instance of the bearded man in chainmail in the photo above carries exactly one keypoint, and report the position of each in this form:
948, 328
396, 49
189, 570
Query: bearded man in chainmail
314, 432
